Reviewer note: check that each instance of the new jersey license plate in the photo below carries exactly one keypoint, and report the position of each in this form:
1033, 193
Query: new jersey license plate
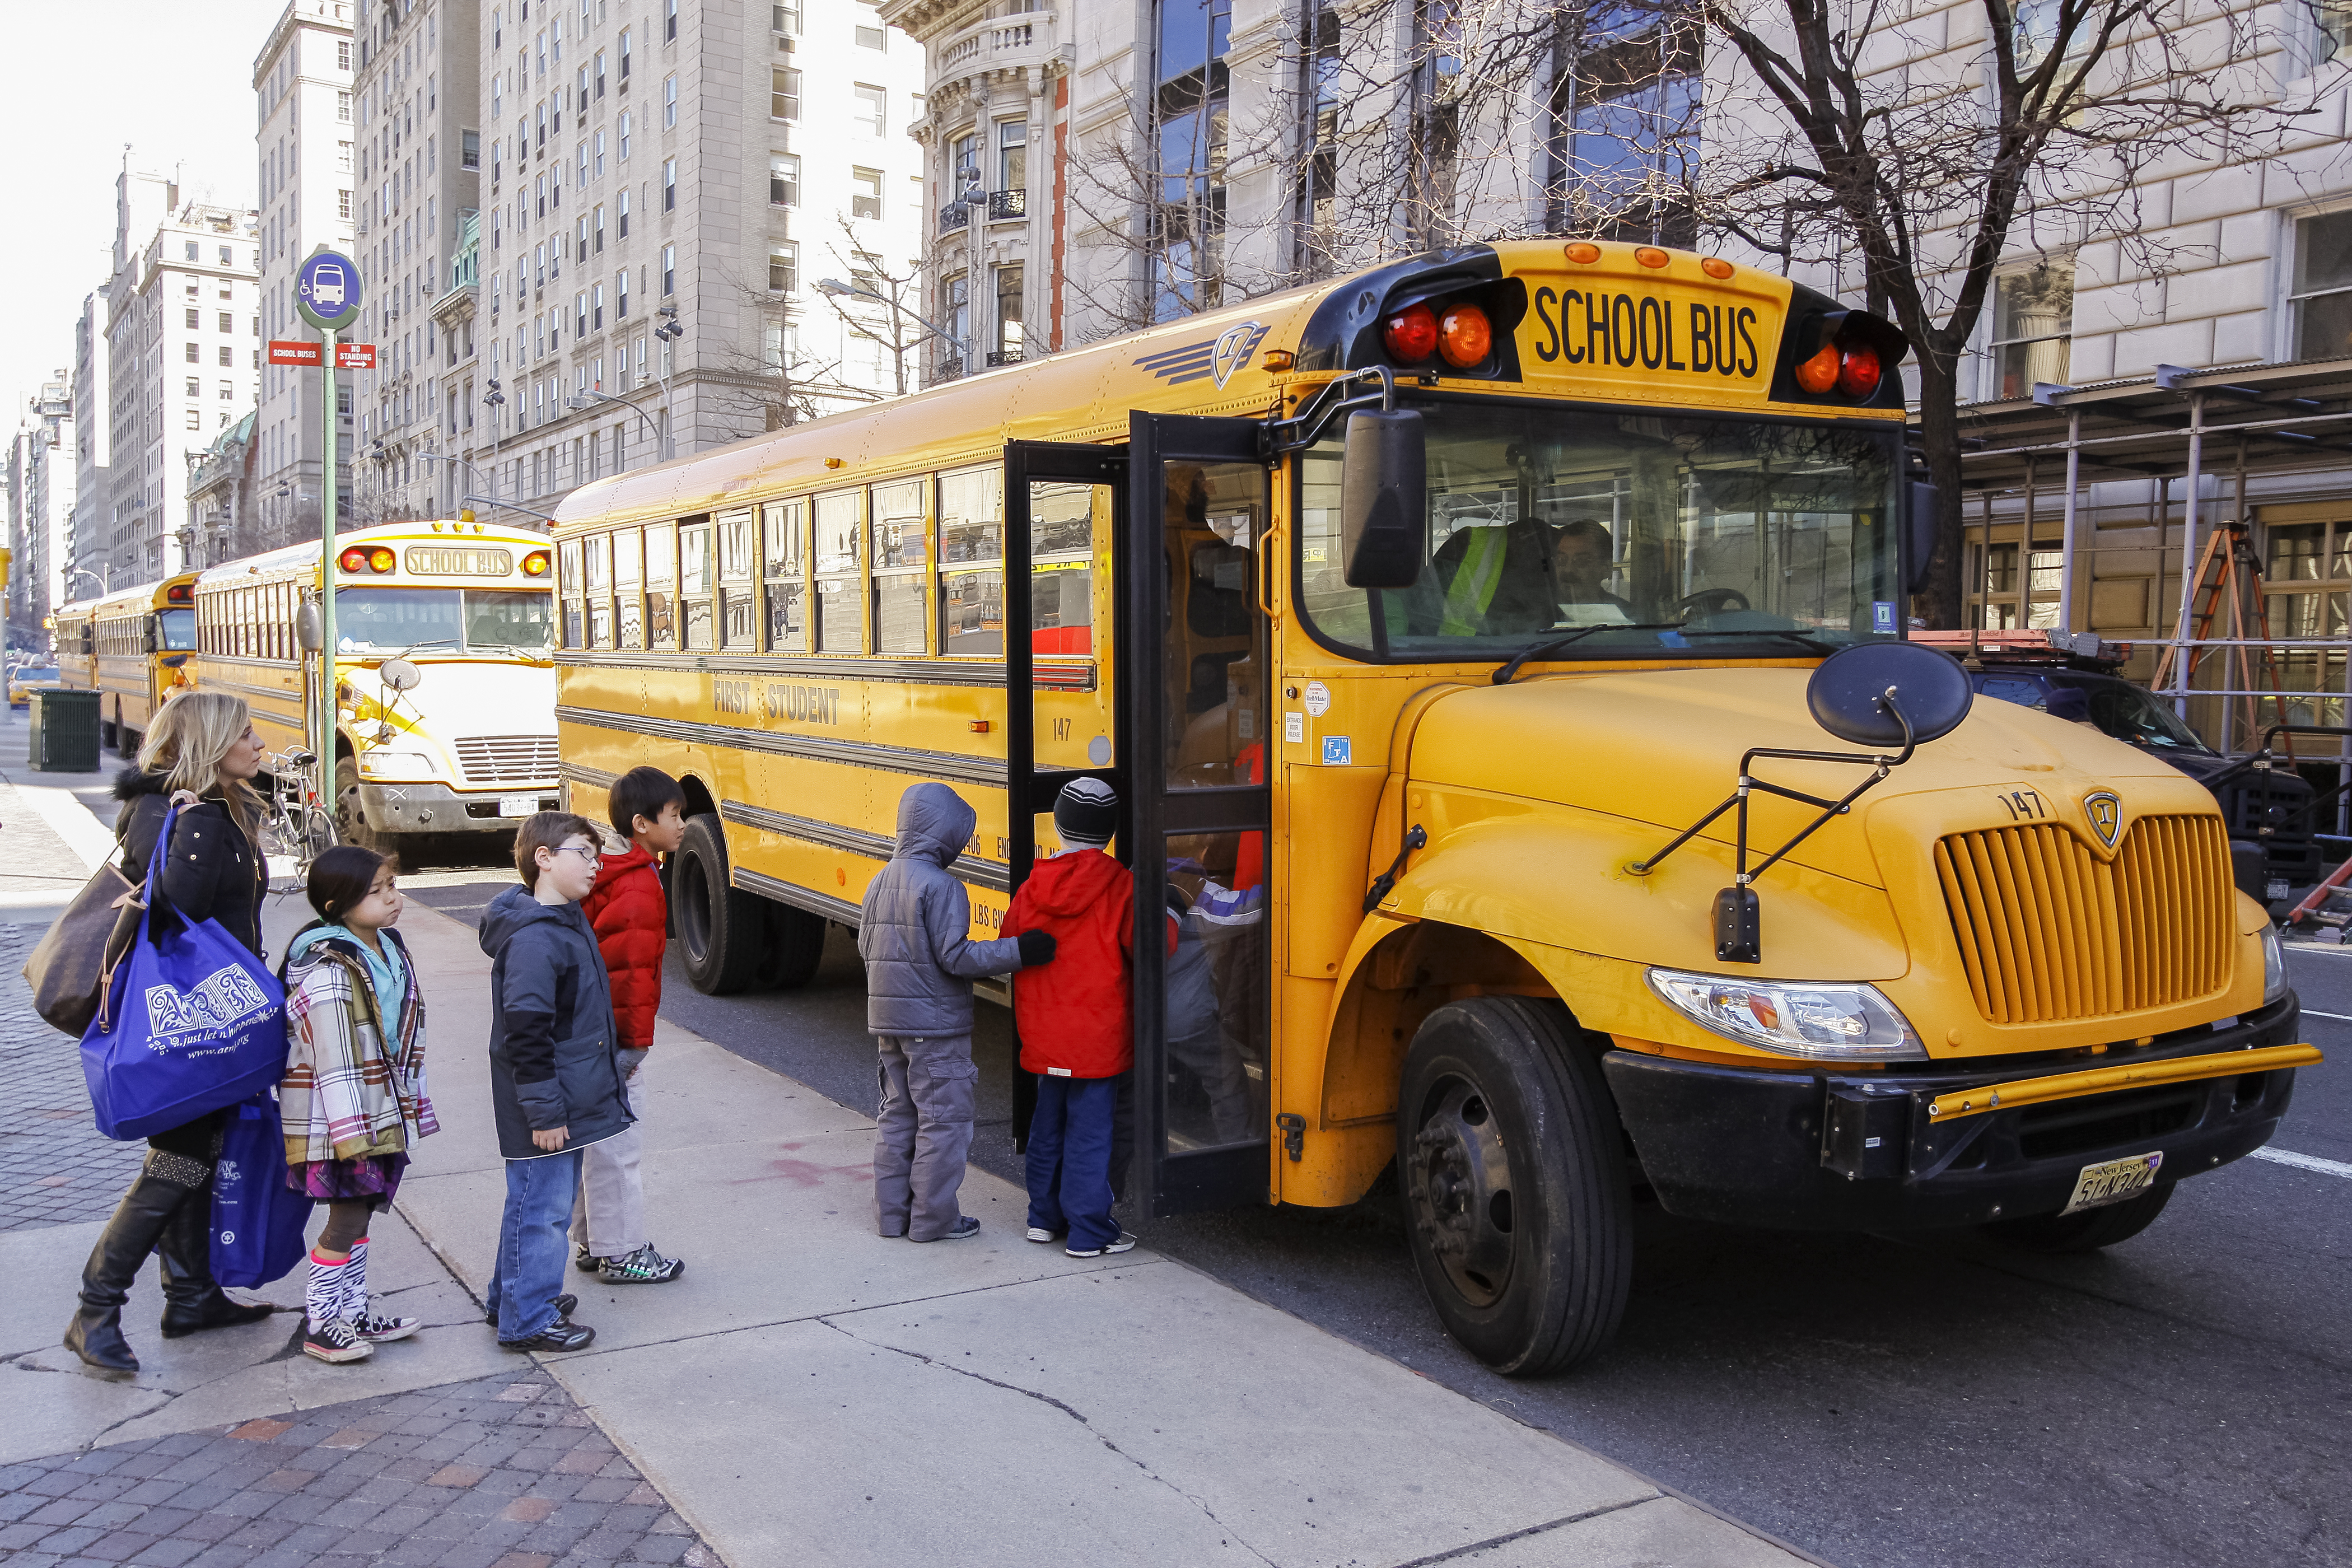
518, 805
2113, 1181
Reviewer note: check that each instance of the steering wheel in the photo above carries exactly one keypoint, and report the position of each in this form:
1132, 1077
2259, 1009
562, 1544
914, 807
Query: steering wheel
1713, 601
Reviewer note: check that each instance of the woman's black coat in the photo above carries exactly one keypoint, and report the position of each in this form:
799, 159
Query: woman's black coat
214, 872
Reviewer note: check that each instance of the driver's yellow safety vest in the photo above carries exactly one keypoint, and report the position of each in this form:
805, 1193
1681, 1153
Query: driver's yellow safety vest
1475, 582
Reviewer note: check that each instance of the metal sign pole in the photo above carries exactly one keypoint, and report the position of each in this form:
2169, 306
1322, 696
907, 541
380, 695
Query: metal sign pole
327, 690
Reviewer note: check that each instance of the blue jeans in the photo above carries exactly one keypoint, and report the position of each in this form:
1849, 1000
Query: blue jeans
1069, 1159
532, 1244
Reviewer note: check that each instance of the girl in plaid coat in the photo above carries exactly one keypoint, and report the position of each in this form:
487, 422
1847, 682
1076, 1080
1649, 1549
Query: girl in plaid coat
352, 1100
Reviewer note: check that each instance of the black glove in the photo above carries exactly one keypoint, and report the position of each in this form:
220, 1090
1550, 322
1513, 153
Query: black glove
1037, 948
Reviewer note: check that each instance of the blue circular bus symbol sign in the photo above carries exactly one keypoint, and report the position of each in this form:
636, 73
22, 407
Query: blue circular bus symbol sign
327, 291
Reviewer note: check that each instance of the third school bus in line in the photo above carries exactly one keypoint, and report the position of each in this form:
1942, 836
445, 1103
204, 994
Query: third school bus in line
1414, 616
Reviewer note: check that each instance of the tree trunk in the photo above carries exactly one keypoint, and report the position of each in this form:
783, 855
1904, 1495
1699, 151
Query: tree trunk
1942, 601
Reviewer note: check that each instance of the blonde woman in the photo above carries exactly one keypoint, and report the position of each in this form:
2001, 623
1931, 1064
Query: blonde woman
201, 753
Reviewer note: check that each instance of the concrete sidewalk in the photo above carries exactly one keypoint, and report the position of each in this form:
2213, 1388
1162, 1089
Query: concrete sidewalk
809, 1393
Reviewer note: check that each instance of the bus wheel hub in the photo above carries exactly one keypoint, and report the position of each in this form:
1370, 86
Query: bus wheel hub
1461, 1192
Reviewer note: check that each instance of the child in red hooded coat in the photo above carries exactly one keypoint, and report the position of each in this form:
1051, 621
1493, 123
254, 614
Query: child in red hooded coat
1076, 1020
630, 915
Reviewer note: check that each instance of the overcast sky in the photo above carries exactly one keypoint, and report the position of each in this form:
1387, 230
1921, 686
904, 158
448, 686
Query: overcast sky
172, 78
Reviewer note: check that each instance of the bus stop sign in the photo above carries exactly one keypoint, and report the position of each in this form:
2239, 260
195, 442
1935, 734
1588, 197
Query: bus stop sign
327, 291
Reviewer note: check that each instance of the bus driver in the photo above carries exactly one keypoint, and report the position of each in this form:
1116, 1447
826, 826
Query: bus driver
1520, 577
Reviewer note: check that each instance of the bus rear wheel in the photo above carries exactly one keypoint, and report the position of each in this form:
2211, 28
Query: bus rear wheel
720, 928
793, 945
2085, 1232
1517, 1209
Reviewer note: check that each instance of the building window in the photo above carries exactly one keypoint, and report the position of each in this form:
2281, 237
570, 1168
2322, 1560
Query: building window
599, 215
1008, 312
957, 308
600, 153
1012, 156
621, 295
597, 307
783, 180
669, 184
195, 250
342, 54
195, 387
194, 319
872, 38
196, 419
227, 322
625, 137
783, 268
866, 199
228, 391
625, 57
2322, 296
669, 270
669, 21
783, 95
469, 150
2033, 315
869, 116
785, 17
623, 205
963, 158
670, 103
343, 110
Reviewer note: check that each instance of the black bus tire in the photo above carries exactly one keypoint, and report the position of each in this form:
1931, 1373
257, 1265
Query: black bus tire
1511, 1167
351, 818
2085, 1232
719, 926
793, 945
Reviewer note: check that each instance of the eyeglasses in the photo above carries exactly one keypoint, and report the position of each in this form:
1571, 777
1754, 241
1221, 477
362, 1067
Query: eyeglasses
585, 851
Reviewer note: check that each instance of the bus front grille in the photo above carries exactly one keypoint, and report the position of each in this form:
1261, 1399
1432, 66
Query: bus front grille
2047, 931
507, 759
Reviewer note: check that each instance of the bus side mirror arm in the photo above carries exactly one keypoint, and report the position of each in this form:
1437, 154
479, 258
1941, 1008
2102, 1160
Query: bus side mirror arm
1924, 505
1383, 499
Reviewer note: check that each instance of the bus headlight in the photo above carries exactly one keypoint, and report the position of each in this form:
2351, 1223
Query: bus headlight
2273, 966
1794, 1017
395, 765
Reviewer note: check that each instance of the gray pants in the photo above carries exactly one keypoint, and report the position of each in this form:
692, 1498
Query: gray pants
608, 1218
922, 1132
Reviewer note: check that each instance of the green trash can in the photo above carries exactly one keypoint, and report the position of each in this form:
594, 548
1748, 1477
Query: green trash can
65, 732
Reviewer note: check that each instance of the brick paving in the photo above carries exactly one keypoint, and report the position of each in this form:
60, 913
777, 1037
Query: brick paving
54, 1168
500, 1472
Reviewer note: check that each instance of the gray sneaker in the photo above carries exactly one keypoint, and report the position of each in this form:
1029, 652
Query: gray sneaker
1125, 1243
644, 1267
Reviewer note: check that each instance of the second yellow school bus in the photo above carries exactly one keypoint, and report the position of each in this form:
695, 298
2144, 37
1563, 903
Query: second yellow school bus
1405, 713
131, 646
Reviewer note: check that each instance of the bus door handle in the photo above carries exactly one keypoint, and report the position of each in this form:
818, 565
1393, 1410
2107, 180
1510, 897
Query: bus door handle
1265, 572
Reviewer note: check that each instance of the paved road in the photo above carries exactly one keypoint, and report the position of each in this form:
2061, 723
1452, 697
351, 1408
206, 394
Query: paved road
1942, 1404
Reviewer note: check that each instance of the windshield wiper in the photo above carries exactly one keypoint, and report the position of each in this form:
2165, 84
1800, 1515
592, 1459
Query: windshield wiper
1511, 665
1813, 644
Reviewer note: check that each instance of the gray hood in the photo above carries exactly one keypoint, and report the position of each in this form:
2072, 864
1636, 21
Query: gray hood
934, 824
510, 911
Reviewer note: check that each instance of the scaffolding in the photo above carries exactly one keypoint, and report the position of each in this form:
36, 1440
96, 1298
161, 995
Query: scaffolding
2143, 501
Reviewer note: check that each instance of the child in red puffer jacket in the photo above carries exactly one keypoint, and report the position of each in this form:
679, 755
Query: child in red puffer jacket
630, 915
1076, 1020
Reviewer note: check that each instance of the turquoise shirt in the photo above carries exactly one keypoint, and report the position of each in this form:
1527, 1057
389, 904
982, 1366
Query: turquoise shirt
385, 971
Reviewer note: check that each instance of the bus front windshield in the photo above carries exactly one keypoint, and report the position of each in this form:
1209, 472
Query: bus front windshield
1652, 536
175, 630
384, 621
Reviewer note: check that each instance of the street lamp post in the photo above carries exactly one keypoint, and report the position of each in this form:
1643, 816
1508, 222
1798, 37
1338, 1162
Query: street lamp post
508, 505
584, 399
85, 571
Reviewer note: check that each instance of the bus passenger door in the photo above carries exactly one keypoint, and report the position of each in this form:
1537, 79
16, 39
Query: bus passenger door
1195, 664
1064, 668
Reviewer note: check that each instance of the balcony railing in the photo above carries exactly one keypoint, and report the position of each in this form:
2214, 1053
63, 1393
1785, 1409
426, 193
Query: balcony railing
1002, 356
998, 43
953, 217
1007, 204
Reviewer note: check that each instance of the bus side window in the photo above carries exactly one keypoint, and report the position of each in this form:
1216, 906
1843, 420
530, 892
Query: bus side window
694, 584
971, 560
567, 586
661, 584
902, 568
840, 596
628, 587
784, 539
739, 626
1062, 570
596, 577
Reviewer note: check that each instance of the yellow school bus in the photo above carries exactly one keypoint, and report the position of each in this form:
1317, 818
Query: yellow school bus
1483, 648
444, 691
131, 647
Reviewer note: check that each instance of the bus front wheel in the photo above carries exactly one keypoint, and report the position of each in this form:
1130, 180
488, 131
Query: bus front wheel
1517, 1209
351, 819
719, 927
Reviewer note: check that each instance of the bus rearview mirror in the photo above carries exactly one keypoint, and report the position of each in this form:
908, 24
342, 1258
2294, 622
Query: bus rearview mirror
1382, 499
400, 675
310, 628
1925, 506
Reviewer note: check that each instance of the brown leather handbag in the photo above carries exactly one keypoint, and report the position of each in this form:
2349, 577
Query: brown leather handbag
68, 968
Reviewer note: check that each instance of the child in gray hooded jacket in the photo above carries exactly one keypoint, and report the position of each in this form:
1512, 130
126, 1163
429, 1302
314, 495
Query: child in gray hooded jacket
914, 932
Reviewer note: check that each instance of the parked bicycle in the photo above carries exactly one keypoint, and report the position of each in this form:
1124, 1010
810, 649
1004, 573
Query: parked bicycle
301, 824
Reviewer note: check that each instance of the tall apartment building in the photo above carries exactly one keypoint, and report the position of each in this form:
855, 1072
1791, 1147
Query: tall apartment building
308, 145
90, 520
665, 182
418, 117
184, 360
36, 575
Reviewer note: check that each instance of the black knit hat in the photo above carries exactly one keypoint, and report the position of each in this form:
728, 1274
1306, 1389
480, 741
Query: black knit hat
1086, 813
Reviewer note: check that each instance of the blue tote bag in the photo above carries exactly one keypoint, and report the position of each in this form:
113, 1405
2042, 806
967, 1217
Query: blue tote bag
189, 1022
257, 1221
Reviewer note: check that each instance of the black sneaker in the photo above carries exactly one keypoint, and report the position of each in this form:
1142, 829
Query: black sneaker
563, 1305
562, 1334
1125, 1243
337, 1340
964, 1226
643, 1266
586, 1261
377, 1328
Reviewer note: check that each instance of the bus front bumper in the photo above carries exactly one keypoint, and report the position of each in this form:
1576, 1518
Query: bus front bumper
438, 808
1894, 1150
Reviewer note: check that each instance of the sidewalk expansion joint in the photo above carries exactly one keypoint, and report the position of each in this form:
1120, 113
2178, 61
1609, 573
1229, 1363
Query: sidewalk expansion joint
1451, 1552
1074, 1414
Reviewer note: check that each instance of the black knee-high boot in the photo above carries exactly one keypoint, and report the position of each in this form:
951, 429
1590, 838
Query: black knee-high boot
192, 1298
139, 1221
